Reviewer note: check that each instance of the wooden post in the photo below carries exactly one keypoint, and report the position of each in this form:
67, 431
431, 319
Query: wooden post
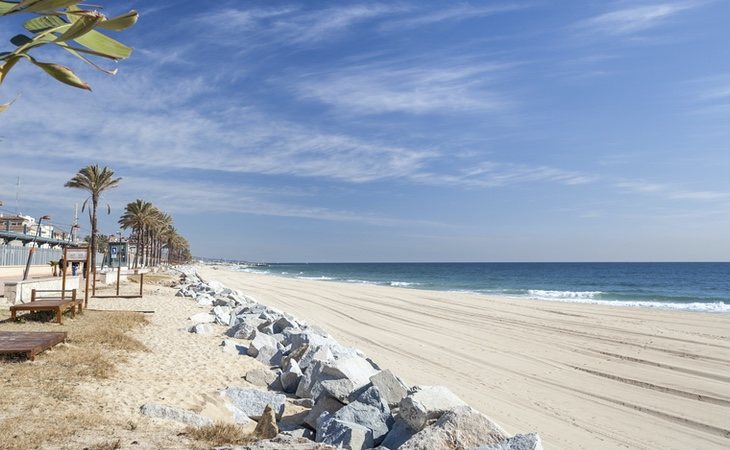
141, 282
93, 283
119, 274
63, 279
86, 277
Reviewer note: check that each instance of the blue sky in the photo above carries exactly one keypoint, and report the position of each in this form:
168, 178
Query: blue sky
398, 131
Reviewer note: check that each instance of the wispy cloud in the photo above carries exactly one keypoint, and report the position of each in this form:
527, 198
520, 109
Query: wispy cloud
291, 25
455, 13
671, 192
494, 174
416, 87
634, 19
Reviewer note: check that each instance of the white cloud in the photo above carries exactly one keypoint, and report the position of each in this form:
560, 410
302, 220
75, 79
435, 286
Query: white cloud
416, 88
635, 19
449, 14
494, 174
672, 192
290, 25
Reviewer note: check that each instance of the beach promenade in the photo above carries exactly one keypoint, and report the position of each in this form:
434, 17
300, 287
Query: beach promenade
583, 376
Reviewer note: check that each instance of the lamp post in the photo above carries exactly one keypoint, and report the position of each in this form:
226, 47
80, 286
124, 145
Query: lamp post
74, 227
32, 246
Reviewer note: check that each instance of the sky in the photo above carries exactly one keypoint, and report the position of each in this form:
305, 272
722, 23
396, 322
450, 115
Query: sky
313, 131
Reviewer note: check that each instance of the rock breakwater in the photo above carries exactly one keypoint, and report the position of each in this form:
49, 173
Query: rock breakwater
351, 402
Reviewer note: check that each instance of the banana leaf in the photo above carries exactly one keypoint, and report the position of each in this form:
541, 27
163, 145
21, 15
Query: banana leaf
42, 5
121, 22
62, 74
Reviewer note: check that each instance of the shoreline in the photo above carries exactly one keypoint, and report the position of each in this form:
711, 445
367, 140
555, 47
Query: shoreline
582, 375
714, 307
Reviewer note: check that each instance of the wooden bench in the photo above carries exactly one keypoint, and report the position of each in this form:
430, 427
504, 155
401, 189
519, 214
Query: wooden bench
29, 342
66, 301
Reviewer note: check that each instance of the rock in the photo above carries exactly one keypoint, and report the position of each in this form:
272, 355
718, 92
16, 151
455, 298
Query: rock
304, 402
260, 341
324, 404
342, 434
220, 301
356, 369
172, 413
282, 324
301, 433
230, 346
222, 315
339, 389
310, 384
281, 442
270, 356
204, 300
314, 353
202, 318
202, 328
371, 396
252, 402
290, 377
398, 435
430, 402
462, 427
267, 327
216, 286
391, 388
266, 428
261, 377
245, 329
529, 441
377, 421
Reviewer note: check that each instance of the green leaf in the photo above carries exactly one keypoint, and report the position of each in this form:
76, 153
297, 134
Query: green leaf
6, 6
80, 27
62, 74
43, 5
120, 23
43, 23
75, 52
5, 68
93, 40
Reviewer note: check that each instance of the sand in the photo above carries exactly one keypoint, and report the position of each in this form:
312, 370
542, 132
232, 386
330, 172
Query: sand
583, 376
181, 369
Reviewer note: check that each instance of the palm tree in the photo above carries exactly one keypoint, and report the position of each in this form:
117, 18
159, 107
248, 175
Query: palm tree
137, 216
94, 180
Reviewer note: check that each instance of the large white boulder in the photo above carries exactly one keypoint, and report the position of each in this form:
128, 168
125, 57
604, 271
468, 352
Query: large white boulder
429, 402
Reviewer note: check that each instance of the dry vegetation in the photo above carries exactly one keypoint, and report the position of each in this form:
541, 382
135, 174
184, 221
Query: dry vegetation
39, 404
218, 434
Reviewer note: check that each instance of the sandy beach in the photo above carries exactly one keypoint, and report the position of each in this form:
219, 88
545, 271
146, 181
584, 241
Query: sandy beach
177, 369
583, 376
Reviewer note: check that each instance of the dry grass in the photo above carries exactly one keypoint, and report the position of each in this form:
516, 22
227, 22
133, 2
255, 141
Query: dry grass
159, 278
218, 434
39, 404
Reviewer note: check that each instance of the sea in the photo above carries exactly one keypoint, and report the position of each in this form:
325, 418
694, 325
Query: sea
695, 286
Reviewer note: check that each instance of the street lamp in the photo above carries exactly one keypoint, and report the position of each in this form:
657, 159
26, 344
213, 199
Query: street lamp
32, 246
74, 227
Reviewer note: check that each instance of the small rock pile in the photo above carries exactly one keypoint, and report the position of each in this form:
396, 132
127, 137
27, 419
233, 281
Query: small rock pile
353, 403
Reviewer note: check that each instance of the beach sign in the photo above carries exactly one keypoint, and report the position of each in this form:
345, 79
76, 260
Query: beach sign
76, 254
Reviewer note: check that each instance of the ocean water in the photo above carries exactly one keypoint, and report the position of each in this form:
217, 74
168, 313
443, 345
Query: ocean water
685, 286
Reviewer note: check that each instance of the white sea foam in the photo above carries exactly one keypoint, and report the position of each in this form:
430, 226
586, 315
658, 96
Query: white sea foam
539, 294
315, 278
360, 281
403, 284
589, 297
249, 270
